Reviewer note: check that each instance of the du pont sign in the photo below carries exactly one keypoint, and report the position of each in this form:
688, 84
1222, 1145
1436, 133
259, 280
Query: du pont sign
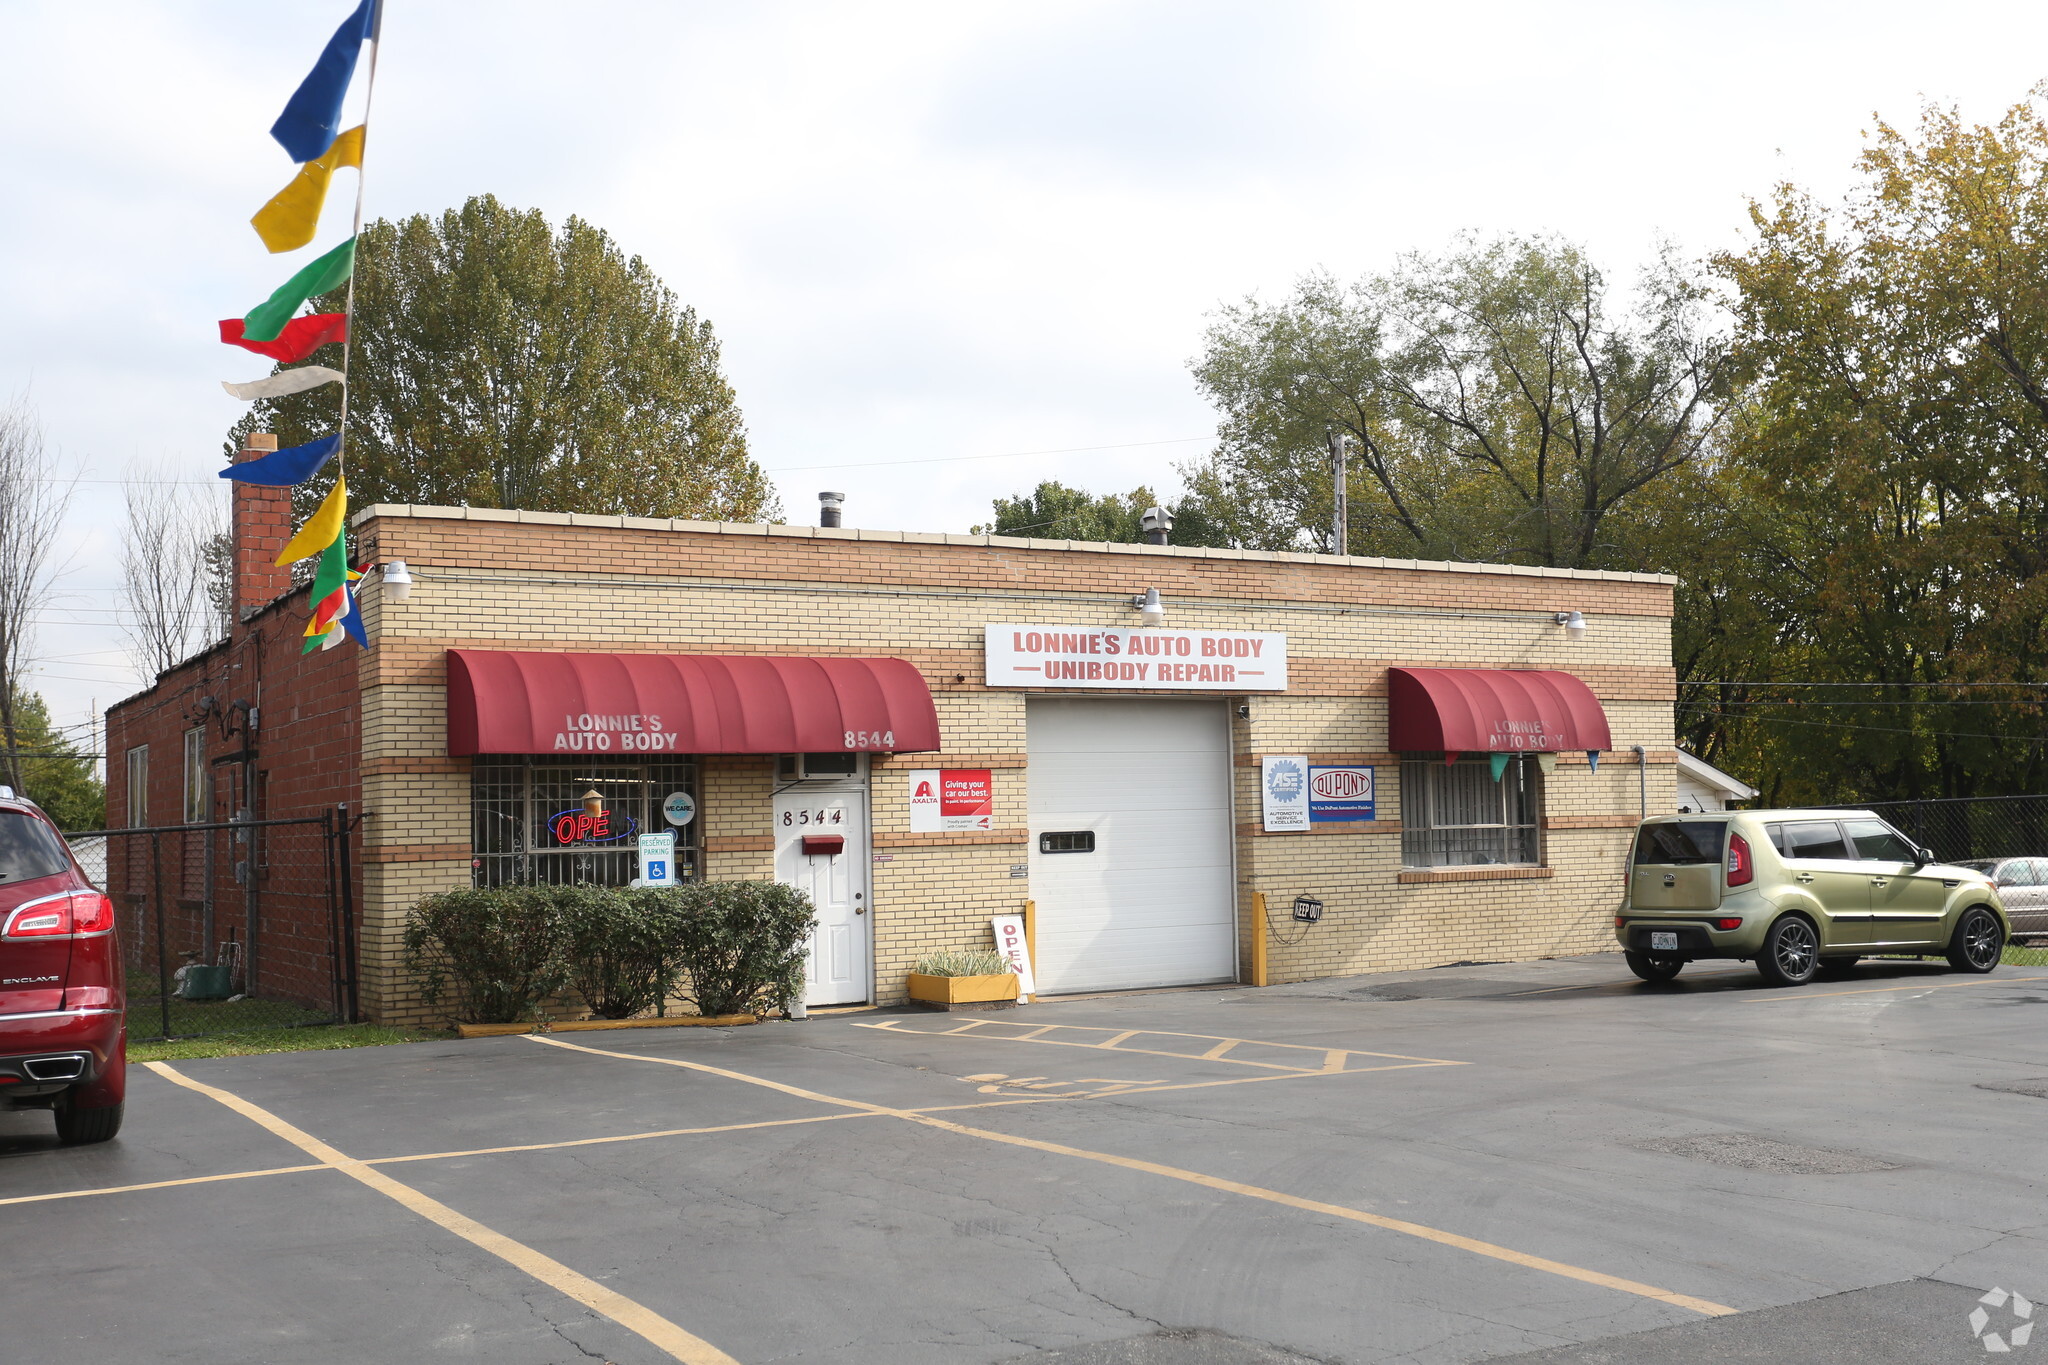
1095, 658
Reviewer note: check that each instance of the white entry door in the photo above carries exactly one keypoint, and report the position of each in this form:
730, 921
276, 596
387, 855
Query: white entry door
1130, 843
836, 880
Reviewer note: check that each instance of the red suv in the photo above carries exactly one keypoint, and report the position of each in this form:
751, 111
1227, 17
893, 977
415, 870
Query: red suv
63, 1030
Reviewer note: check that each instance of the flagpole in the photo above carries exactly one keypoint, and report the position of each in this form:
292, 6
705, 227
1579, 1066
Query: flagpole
349, 306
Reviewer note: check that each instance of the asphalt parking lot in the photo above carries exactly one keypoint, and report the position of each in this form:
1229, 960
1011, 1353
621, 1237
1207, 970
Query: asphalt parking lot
1543, 1160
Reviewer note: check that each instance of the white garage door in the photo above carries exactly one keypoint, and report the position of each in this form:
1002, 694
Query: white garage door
1147, 783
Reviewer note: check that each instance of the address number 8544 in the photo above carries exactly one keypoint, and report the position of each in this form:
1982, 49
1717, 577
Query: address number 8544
870, 739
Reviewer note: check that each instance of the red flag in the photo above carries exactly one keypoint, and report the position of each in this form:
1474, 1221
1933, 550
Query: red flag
299, 339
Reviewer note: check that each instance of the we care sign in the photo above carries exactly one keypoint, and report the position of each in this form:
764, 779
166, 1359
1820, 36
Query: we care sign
1095, 658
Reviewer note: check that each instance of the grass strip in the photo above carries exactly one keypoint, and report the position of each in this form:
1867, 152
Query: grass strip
315, 1038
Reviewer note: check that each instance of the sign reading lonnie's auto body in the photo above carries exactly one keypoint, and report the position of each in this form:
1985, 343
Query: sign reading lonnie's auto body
1095, 657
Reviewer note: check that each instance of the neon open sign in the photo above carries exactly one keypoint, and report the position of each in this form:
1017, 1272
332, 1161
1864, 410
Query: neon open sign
581, 827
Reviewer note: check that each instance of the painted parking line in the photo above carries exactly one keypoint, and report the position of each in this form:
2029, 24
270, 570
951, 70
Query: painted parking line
1800, 994
634, 1317
159, 1184
1292, 1058
1429, 1234
501, 1151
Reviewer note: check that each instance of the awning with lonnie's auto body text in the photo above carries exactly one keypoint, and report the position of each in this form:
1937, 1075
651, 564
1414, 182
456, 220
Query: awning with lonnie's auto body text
1492, 710
501, 702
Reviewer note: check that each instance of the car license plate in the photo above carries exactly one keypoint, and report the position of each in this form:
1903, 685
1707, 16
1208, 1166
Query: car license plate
1663, 943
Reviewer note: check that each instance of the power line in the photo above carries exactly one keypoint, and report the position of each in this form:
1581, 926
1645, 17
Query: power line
1778, 682
1000, 455
1894, 730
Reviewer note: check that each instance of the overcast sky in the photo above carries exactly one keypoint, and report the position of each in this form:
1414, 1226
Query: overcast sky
930, 235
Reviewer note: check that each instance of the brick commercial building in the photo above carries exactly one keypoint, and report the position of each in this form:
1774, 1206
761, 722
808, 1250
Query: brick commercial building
925, 730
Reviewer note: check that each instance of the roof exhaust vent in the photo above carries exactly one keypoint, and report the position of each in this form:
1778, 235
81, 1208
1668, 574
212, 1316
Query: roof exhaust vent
829, 507
1157, 523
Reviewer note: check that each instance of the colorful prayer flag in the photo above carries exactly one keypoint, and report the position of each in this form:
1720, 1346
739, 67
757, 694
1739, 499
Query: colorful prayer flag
352, 619
299, 339
312, 116
330, 593
285, 382
289, 220
283, 468
322, 528
267, 319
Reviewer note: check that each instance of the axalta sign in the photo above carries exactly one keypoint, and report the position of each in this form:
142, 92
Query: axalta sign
1175, 660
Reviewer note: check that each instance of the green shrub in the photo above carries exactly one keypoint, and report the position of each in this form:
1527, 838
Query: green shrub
497, 951
623, 947
743, 944
972, 962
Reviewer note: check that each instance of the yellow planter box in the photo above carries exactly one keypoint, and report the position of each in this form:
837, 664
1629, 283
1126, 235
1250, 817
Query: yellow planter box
963, 990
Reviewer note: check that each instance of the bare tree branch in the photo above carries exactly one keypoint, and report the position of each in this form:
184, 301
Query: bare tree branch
32, 506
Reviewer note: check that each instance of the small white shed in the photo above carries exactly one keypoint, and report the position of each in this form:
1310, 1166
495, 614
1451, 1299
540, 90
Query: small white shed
1702, 786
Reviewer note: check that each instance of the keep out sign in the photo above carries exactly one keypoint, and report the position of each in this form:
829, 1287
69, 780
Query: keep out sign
1096, 658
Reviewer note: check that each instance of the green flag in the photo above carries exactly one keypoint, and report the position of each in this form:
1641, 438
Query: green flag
329, 597
268, 318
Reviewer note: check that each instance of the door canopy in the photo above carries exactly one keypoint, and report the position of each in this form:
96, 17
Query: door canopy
1492, 710
630, 704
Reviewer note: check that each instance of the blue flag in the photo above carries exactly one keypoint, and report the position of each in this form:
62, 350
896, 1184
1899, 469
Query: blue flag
312, 117
283, 468
353, 622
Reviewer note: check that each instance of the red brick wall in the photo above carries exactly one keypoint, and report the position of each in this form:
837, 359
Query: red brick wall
306, 761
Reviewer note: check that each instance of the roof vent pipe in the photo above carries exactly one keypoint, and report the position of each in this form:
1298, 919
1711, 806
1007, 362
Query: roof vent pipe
1157, 523
829, 505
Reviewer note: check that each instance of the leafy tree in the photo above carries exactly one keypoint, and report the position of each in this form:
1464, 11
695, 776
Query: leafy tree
499, 363
1499, 408
54, 773
1894, 355
1054, 511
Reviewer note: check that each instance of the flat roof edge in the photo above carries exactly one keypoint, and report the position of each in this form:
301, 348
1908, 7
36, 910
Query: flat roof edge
770, 529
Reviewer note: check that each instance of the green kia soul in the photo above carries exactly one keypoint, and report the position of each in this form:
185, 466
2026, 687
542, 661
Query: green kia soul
1800, 893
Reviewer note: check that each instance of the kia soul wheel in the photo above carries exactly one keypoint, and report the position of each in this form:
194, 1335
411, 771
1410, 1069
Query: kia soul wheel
1791, 953
1978, 942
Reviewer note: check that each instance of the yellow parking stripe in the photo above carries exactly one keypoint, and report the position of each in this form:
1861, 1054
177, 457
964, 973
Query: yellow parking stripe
642, 1321
158, 1184
1429, 1234
1886, 990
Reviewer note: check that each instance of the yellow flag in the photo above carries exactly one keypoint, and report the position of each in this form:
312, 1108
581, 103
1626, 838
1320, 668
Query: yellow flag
321, 528
288, 222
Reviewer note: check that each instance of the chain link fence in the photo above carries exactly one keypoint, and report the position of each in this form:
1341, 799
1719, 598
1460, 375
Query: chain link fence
229, 927
1989, 829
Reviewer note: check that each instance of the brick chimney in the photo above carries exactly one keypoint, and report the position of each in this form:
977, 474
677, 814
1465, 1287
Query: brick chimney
262, 525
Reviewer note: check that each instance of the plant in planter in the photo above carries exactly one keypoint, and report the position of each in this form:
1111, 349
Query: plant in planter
742, 944
496, 950
977, 978
622, 948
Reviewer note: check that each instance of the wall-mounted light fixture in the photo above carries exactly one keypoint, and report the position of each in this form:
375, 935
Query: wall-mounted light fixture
397, 580
1574, 623
1151, 611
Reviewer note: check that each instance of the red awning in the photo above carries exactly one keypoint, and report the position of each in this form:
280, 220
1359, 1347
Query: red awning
1491, 710
646, 704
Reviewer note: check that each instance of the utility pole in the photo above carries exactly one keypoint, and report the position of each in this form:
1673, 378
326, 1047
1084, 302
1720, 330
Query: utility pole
1340, 519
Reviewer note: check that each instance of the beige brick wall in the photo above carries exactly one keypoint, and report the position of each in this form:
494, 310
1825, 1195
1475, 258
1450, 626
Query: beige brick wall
495, 580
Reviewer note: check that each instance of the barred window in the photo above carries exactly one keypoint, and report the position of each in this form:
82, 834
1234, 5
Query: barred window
519, 833
1458, 815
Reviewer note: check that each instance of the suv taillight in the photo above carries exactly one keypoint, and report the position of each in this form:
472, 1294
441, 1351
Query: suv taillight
91, 913
1741, 867
81, 912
